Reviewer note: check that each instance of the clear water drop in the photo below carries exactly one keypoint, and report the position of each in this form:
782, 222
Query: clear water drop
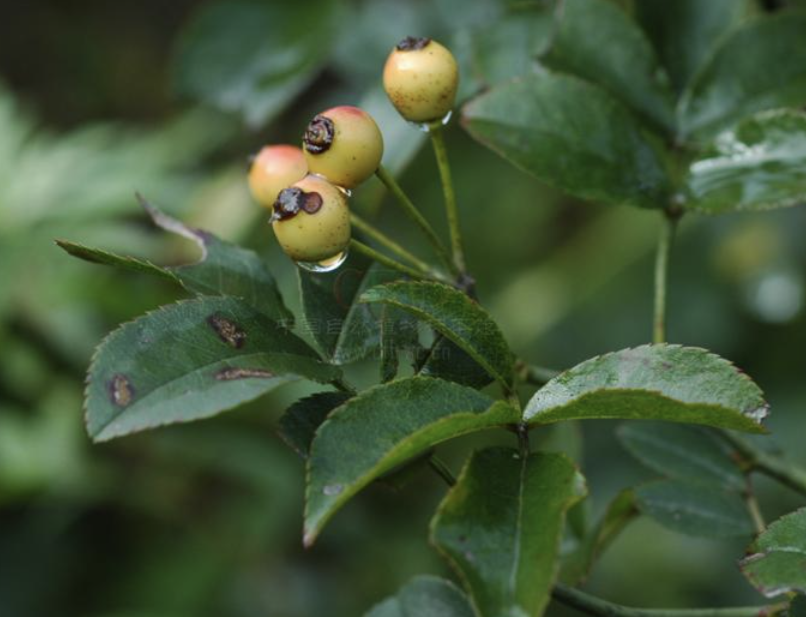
326, 265
426, 127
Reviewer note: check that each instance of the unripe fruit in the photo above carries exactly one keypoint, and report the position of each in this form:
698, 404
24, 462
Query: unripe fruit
273, 169
421, 78
312, 220
344, 145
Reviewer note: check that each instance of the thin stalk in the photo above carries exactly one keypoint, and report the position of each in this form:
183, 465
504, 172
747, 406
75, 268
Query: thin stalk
414, 214
524, 448
381, 238
442, 470
661, 276
597, 607
771, 465
535, 375
382, 259
452, 212
755, 511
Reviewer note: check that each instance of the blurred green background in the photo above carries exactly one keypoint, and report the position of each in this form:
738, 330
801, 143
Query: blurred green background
99, 100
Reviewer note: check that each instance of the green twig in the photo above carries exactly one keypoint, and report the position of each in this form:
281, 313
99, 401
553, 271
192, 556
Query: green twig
771, 465
387, 261
597, 607
441, 152
755, 509
661, 275
442, 470
381, 238
535, 375
414, 214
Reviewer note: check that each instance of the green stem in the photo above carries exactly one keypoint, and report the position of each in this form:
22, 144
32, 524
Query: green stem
382, 259
661, 275
524, 448
442, 470
535, 375
381, 238
414, 214
771, 465
597, 607
452, 212
754, 509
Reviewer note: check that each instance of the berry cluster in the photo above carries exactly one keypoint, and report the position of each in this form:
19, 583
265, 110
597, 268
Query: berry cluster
307, 188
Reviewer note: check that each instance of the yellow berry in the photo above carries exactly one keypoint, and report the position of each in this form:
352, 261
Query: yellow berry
273, 169
344, 145
312, 220
421, 78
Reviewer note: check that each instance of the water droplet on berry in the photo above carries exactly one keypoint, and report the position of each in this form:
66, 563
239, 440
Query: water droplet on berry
426, 127
326, 265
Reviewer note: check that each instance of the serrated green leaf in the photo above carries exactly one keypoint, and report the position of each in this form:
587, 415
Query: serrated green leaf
760, 66
685, 32
299, 423
695, 509
456, 317
448, 361
425, 596
597, 41
189, 361
653, 382
253, 57
683, 453
224, 269
501, 525
508, 47
620, 512
758, 164
798, 607
384, 427
107, 258
777, 560
399, 338
572, 135
344, 329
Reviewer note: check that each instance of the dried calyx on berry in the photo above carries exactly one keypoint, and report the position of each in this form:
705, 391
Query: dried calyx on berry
344, 145
421, 78
312, 220
293, 200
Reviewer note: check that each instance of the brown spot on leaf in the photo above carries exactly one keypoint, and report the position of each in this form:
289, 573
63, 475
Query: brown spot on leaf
232, 373
121, 391
227, 330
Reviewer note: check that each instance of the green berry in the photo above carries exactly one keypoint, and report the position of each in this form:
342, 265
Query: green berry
344, 145
421, 78
273, 169
312, 220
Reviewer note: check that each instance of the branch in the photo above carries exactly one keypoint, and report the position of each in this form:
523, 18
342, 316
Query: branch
597, 607
771, 465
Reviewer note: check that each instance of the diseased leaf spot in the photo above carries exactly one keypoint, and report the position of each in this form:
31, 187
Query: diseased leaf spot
232, 373
227, 330
121, 391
